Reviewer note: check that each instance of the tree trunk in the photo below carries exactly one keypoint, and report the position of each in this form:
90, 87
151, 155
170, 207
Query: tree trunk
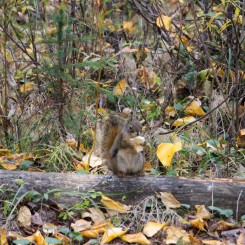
222, 193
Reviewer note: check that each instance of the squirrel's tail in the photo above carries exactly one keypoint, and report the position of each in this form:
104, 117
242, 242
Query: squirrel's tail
112, 126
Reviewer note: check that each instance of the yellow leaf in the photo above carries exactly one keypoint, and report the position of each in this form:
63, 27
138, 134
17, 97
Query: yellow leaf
151, 228
39, 239
194, 109
24, 216
64, 239
199, 223
202, 212
4, 152
117, 206
120, 88
3, 236
184, 120
13, 236
138, 238
11, 162
81, 225
238, 19
170, 111
51, 30
112, 233
102, 111
213, 18
24, 88
164, 21
169, 200
165, 152
176, 235
213, 242
129, 26
90, 233
147, 166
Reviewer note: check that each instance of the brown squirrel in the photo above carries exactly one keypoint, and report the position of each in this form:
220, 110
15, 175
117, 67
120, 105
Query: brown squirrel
122, 146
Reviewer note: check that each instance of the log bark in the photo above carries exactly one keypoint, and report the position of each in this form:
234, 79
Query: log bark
222, 193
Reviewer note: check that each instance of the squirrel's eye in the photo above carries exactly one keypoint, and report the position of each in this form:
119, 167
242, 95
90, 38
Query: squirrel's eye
130, 128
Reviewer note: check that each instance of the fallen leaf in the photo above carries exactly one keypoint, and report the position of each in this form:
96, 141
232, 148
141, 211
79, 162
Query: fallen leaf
212, 242
39, 239
241, 238
120, 88
11, 235
223, 226
176, 235
117, 206
11, 162
64, 239
164, 21
24, 88
168, 200
129, 27
97, 216
184, 120
151, 228
165, 152
49, 228
90, 233
202, 212
81, 225
170, 111
138, 238
94, 160
199, 223
194, 109
112, 233
24, 216
3, 237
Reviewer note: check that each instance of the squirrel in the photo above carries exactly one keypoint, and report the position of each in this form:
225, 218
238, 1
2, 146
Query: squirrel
122, 146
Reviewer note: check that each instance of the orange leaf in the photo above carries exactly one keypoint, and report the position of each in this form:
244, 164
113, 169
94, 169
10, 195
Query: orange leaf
138, 238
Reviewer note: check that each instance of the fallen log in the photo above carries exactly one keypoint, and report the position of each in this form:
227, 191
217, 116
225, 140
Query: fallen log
222, 193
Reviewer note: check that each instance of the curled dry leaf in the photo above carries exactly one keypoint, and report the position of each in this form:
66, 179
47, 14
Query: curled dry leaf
112, 233
222, 226
176, 235
199, 223
168, 200
165, 152
97, 216
49, 228
81, 225
24, 216
202, 212
151, 228
117, 206
138, 238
